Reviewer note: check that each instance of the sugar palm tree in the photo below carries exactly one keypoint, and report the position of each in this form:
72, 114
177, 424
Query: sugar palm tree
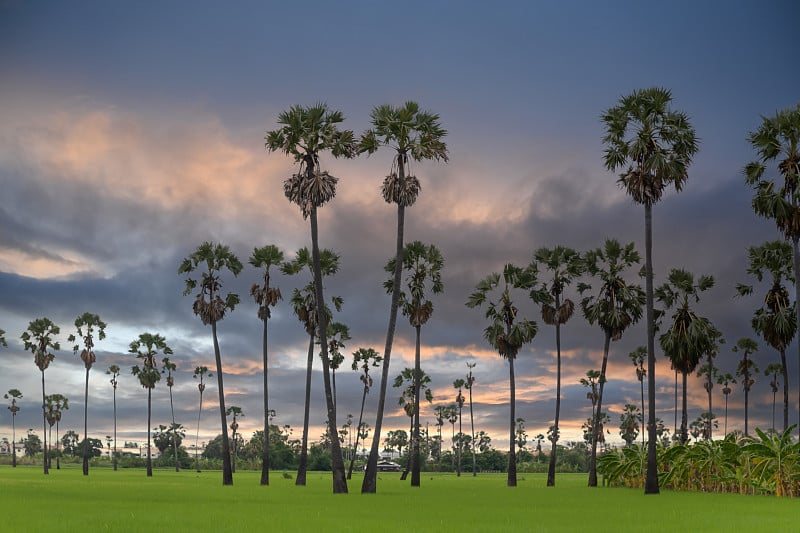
56, 403
146, 348
469, 384
564, 265
168, 367
304, 306
86, 324
726, 380
638, 357
211, 259
776, 320
408, 400
774, 370
746, 370
38, 339
422, 263
710, 371
440, 412
459, 385
13, 395
363, 359
265, 296
235, 412
617, 305
653, 146
689, 336
507, 332
304, 133
338, 333
413, 134
200, 372
777, 142
113, 371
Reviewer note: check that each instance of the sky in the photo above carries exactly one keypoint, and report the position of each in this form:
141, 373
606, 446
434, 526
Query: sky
132, 132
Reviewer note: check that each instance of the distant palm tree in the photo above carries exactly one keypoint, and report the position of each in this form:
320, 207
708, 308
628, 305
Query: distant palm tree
564, 265
710, 371
777, 141
211, 308
459, 385
726, 380
13, 395
56, 403
265, 296
616, 307
113, 371
338, 333
200, 372
304, 132
470, 382
363, 358
168, 367
234, 411
654, 146
629, 426
412, 134
776, 371
746, 369
38, 339
146, 347
507, 332
409, 397
638, 357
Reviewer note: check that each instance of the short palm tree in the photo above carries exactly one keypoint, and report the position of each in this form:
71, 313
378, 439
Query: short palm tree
776, 320
200, 372
507, 332
38, 339
211, 259
653, 146
563, 265
415, 135
265, 296
113, 371
168, 367
617, 305
726, 380
304, 133
146, 348
13, 395
363, 359
638, 357
777, 142
746, 370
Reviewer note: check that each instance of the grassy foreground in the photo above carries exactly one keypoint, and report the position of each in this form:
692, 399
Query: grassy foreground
187, 501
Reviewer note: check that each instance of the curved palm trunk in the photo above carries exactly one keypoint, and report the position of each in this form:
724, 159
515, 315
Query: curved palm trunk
227, 469
785, 390
415, 459
85, 426
369, 485
303, 464
551, 470
512, 455
651, 476
265, 449
174, 433
149, 458
197, 435
339, 479
44, 430
597, 411
358, 433
472, 426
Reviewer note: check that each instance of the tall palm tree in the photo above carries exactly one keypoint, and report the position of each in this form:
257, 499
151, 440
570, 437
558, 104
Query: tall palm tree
422, 263
265, 297
564, 266
200, 372
653, 145
710, 371
638, 357
338, 333
168, 367
459, 385
726, 380
469, 384
746, 370
363, 358
86, 324
409, 400
304, 305
305, 132
416, 135
56, 403
774, 370
689, 336
777, 141
113, 371
209, 305
507, 332
13, 395
617, 305
38, 339
776, 320
440, 412
234, 411
146, 347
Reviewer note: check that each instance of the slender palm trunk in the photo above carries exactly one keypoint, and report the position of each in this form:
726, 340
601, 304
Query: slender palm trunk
85, 426
512, 420
114, 459
227, 469
746, 397
460, 439
44, 430
14, 440
684, 411
50, 438
675, 411
651, 477
197, 435
785, 389
303, 464
265, 449
58, 451
358, 433
339, 478
551, 470
409, 448
641, 386
415, 465
149, 458
796, 264
774, 399
596, 419
472, 427
726, 415
174, 432
710, 387
369, 485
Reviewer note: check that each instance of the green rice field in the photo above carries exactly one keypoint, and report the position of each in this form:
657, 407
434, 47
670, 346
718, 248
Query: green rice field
126, 500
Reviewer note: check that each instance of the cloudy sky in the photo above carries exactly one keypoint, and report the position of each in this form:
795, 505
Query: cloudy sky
132, 132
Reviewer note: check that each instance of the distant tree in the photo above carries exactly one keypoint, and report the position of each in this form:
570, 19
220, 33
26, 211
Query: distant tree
470, 382
113, 371
94, 447
3, 342
200, 372
32, 444
13, 395
629, 424
710, 371
520, 436
638, 357
168, 367
69, 443
363, 359
236, 412
38, 339
746, 369
459, 385
775, 371
726, 380
56, 403
409, 397
165, 437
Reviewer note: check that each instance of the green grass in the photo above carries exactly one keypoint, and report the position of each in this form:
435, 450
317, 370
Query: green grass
128, 501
